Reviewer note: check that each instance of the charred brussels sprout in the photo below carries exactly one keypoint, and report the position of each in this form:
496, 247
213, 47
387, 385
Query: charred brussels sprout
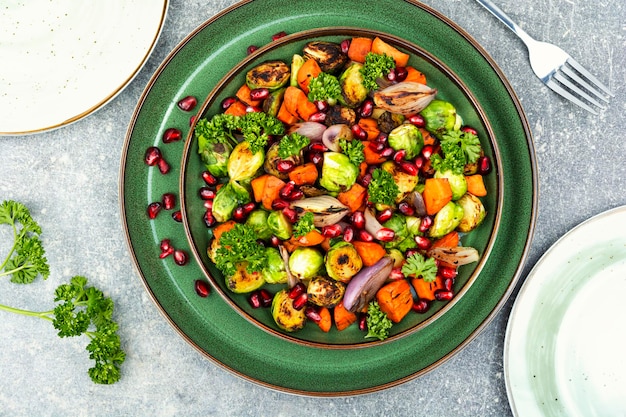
446, 220
227, 199
343, 261
387, 121
243, 164
214, 156
257, 221
406, 182
279, 225
473, 213
275, 272
407, 137
243, 281
340, 115
325, 292
353, 90
270, 74
338, 173
305, 262
271, 104
327, 54
440, 116
285, 315
458, 183
272, 158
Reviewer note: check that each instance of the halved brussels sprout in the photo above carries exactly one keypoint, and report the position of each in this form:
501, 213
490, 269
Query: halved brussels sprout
243, 281
446, 220
473, 212
338, 173
406, 182
214, 156
257, 220
458, 183
272, 103
272, 159
279, 225
270, 74
397, 223
352, 88
228, 197
325, 292
387, 121
242, 163
275, 272
408, 137
337, 115
296, 63
305, 262
327, 54
343, 261
440, 116
285, 315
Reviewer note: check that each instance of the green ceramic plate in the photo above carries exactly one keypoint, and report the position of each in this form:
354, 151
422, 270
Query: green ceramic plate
449, 87
210, 324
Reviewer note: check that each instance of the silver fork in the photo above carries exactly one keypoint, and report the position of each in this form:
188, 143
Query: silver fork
557, 69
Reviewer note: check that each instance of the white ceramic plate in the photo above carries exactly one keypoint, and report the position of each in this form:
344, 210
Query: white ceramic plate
64, 59
566, 337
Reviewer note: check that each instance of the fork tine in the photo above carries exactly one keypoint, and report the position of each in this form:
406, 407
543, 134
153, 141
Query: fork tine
574, 76
560, 90
560, 77
589, 76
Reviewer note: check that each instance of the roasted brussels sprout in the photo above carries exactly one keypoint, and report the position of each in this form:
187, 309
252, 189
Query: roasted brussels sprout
270, 74
325, 292
406, 182
228, 197
327, 54
257, 220
338, 173
337, 115
388, 121
446, 220
458, 183
279, 225
272, 159
296, 63
275, 271
285, 315
343, 261
353, 90
408, 137
397, 223
272, 103
243, 281
242, 163
214, 156
305, 262
473, 212
439, 116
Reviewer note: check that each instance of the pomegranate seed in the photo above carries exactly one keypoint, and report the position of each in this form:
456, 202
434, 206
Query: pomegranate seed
332, 230
406, 209
266, 297
365, 181
447, 272
249, 207
296, 195
251, 49
427, 151
279, 35
484, 165
208, 204
411, 252
358, 219
275, 241
417, 120
448, 283
238, 214
365, 236
382, 137
300, 301
312, 314
385, 234
180, 257
177, 216
192, 119
164, 254
169, 201
399, 155
253, 109
207, 193
443, 295
284, 166
322, 105
279, 204
376, 146
391, 75
172, 135
401, 74
290, 214
345, 45
408, 168
254, 299
358, 132
188, 103
396, 274
164, 167
419, 162
154, 209
387, 152
422, 242
317, 158
318, 117
348, 234
153, 156
384, 215
469, 129
209, 178
421, 306
165, 245
425, 224
318, 147
258, 94
287, 189
202, 288
362, 322
209, 219
227, 102
366, 108
296, 290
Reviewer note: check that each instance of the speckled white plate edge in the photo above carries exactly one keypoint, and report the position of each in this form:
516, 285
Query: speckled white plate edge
568, 326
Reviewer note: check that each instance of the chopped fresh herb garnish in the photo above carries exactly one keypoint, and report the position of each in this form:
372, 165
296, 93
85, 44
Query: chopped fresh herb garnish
325, 87
353, 149
418, 266
458, 148
292, 144
240, 245
378, 324
304, 225
376, 66
382, 189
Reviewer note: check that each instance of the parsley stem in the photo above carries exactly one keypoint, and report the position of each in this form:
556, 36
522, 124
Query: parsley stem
10, 251
41, 314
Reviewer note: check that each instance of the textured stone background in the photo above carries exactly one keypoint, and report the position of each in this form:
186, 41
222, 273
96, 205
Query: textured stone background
69, 179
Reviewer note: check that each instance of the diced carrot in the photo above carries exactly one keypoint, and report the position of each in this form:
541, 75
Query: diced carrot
305, 174
413, 75
372, 157
359, 48
381, 47
271, 190
370, 252
428, 138
362, 169
451, 240
343, 317
395, 299
370, 126
298, 104
437, 193
326, 319
476, 185
243, 94
426, 290
326, 244
236, 109
258, 187
285, 116
309, 70
289, 245
354, 197
312, 238
223, 227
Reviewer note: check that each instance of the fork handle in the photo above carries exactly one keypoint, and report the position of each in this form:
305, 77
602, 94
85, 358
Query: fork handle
497, 12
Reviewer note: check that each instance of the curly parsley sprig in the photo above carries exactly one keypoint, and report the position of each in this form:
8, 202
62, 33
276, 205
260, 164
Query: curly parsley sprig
304, 225
353, 149
325, 87
419, 266
292, 144
382, 189
378, 324
376, 66
458, 149
239, 245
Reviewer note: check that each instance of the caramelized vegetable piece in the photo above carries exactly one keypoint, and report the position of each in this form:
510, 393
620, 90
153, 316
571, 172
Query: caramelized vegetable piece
354, 197
395, 299
304, 174
381, 47
359, 48
309, 70
476, 185
415, 75
426, 290
370, 252
343, 317
437, 193
326, 320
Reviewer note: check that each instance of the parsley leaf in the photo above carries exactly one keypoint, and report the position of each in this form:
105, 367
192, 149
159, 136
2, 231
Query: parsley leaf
325, 87
292, 144
376, 66
353, 149
304, 225
382, 189
220, 129
257, 127
26, 259
240, 245
378, 324
417, 266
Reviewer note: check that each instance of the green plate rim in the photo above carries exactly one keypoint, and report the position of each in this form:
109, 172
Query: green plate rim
231, 342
